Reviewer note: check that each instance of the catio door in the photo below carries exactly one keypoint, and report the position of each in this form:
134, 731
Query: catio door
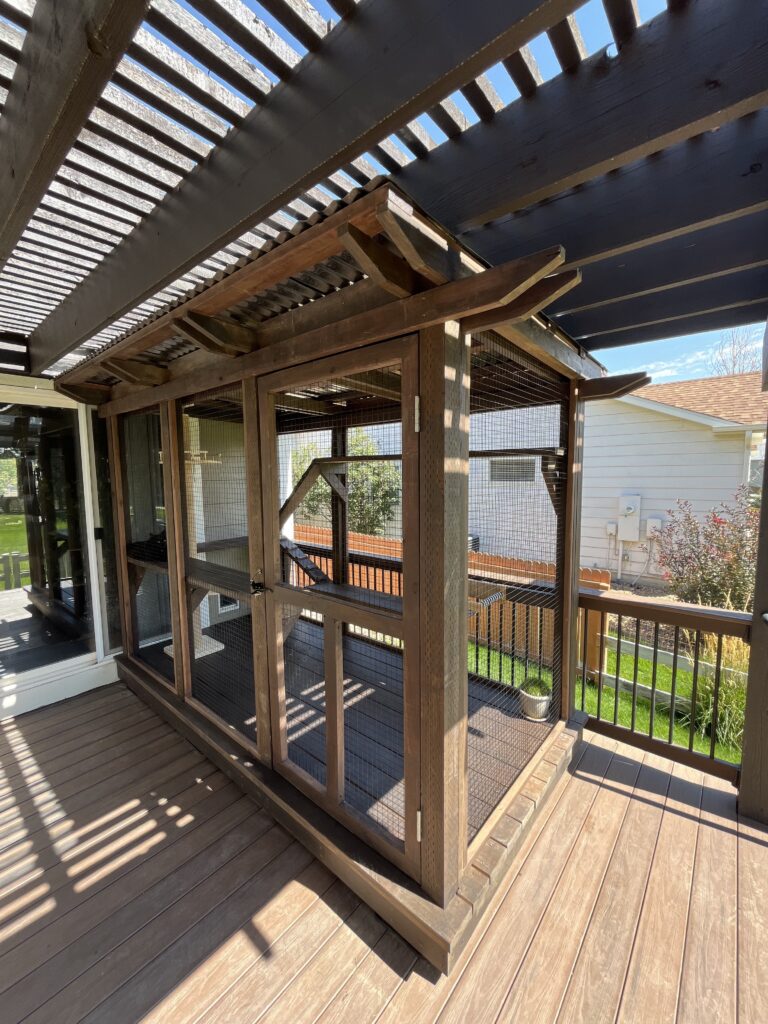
223, 633
340, 493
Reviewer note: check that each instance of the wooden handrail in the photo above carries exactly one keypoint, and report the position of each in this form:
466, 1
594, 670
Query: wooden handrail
671, 613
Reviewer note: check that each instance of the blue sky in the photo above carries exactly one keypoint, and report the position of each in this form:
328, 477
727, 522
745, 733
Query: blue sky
673, 358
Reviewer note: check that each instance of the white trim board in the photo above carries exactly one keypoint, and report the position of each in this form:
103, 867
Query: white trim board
718, 425
39, 687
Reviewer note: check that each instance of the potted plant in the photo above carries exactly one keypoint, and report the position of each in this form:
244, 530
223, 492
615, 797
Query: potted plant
535, 697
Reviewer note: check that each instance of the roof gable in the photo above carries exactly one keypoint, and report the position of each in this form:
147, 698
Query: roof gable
737, 398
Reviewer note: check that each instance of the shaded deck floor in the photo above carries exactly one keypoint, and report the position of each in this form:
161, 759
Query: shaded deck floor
29, 640
138, 884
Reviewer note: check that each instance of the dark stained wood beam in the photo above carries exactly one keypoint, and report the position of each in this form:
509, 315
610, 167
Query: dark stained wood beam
706, 255
612, 387
384, 267
533, 301
133, 372
718, 177
679, 75
381, 67
88, 394
215, 334
702, 320
733, 290
68, 56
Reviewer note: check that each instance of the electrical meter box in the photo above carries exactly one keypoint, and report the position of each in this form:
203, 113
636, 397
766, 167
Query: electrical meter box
629, 517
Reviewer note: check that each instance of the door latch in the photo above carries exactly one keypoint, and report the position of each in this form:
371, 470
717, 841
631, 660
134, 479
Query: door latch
258, 588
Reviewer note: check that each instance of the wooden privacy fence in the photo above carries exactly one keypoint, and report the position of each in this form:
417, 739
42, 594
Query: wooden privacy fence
510, 599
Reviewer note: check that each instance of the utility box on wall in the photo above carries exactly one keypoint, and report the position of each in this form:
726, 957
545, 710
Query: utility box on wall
629, 517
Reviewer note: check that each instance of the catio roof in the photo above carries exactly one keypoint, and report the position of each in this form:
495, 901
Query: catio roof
165, 142
738, 398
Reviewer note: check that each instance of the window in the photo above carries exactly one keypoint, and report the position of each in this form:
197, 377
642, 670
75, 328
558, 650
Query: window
228, 604
513, 471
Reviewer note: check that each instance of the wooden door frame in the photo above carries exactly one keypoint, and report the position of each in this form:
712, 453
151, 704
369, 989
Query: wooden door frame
399, 350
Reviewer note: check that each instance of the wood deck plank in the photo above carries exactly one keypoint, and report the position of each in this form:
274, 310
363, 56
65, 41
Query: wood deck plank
653, 978
194, 891
708, 987
753, 920
565, 920
482, 988
237, 953
595, 986
258, 988
26, 923
154, 891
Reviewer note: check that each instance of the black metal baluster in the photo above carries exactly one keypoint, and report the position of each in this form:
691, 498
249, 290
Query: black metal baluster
585, 631
653, 676
634, 674
600, 666
716, 696
694, 689
673, 688
618, 673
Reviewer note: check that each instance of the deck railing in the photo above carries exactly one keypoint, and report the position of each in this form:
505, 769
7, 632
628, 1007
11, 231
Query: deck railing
668, 677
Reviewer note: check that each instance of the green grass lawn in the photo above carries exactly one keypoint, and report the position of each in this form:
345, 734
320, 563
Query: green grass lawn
502, 667
13, 534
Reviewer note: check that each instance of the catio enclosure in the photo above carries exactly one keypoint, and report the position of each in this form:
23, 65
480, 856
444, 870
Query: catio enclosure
346, 532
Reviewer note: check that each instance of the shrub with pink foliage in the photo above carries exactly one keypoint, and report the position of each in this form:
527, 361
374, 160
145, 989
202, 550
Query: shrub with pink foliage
712, 561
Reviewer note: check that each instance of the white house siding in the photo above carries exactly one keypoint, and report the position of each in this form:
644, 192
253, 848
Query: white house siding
633, 450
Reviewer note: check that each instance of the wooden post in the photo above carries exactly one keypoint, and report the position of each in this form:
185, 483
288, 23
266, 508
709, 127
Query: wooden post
173, 456
753, 782
339, 513
571, 553
119, 512
252, 441
444, 509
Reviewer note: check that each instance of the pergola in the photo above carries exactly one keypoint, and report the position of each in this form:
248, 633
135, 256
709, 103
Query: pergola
190, 201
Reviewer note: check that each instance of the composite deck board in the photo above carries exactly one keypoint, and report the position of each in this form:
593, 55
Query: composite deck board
170, 898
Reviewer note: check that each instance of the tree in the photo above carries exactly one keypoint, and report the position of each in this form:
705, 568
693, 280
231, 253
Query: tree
736, 352
374, 488
712, 561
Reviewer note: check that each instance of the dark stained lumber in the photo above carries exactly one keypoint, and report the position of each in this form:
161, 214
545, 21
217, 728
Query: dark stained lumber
532, 301
704, 320
453, 300
612, 387
313, 245
749, 286
216, 334
713, 252
623, 17
89, 394
524, 71
337, 108
567, 43
718, 177
300, 18
385, 268
753, 789
133, 372
67, 58
681, 75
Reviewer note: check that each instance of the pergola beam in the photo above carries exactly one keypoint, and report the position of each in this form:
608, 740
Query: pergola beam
68, 55
713, 179
380, 68
679, 75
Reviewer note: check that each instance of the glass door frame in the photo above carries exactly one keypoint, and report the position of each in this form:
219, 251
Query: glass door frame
406, 627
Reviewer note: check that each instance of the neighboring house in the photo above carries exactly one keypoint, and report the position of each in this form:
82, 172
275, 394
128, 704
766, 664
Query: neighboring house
696, 439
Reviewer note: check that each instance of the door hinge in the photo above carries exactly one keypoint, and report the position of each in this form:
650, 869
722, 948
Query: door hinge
418, 826
417, 413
